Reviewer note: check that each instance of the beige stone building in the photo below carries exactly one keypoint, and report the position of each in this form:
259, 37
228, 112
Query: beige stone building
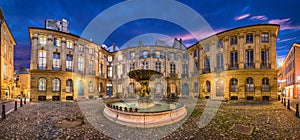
7, 44
238, 64
172, 61
21, 83
66, 67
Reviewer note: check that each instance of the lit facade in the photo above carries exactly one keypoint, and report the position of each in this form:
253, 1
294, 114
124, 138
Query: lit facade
7, 44
66, 67
22, 83
238, 64
289, 73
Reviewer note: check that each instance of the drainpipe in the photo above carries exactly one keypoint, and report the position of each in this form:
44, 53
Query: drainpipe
1, 21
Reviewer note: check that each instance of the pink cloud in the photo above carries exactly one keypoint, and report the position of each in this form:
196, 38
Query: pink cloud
199, 34
285, 24
261, 17
241, 17
288, 39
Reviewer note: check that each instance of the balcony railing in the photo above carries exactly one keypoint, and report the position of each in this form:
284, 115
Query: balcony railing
206, 70
56, 68
69, 69
265, 65
184, 75
42, 67
219, 68
173, 75
234, 66
265, 88
249, 65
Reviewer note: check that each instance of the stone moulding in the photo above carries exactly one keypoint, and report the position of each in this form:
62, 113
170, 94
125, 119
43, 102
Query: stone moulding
145, 120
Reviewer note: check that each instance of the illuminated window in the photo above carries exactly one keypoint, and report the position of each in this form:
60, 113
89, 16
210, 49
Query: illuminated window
56, 61
69, 44
109, 58
56, 84
80, 64
91, 51
42, 40
69, 85
109, 71
69, 66
249, 85
264, 37
120, 70
42, 84
80, 48
158, 66
91, 89
42, 59
56, 42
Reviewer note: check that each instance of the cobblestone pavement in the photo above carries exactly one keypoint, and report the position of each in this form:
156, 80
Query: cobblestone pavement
44, 120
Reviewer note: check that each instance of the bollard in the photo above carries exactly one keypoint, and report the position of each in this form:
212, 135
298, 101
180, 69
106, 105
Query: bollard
278, 98
3, 112
284, 103
282, 100
288, 105
25, 101
16, 105
21, 103
297, 110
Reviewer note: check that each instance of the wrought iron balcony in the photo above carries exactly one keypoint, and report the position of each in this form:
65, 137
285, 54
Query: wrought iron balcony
69, 69
42, 67
173, 75
56, 68
249, 65
265, 65
206, 70
234, 66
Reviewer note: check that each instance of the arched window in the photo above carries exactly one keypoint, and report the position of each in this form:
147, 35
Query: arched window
233, 85
42, 84
249, 85
207, 86
265, 85
158, 88
69, 85
131, 88
91, 89
100, 87
55, 84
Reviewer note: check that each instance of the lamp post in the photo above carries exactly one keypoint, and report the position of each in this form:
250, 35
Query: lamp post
1, 21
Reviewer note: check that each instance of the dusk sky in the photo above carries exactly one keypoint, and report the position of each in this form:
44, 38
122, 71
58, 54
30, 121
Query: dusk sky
220, 15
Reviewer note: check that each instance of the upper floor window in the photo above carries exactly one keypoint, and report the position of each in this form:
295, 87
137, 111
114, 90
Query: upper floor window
132, 66
109, 58
249, 59
42, 84
109, 71
42, 40
207, 65
158, 66
5, 50
80, 64
185, 56
42, 59
195, 53
91, 51
120, 57
55, 84
69, 65
233, 40
101, 69
80, 48
265, 59
69, 44
91, 86
120, 70
157, 54
249, 38
234, 60
91, 67
56, 42
220, 61
145, 54
207, 48
5, 71
145, 65
220, 44
172, 68
264, 37
185, 69
56, 61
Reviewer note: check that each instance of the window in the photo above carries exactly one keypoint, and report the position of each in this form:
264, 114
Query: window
207, 65
100, 87
233, 85
131, 88
42, 60
132, 66
207, 86
233, 60
264, 37
196, 87
185, 56
80, 64
101, 70
145, 54
249, 85
207, 48
5, 72
145, 65
56, 42
220, 61
43, 40
119, 70
56, 61
158, 66
91, 51
233, 40
196, 53
120, 57
249, 38
172, 56
265, 59
91, 67
185, 69
249, 59
69, 85
109, 58
91, 88
158, 88
69, 44
220, 44
109, 71
265, 85
120, 88
55, 84
157, 54
80, 48
69, 66
172, 68
132, 55
42, 84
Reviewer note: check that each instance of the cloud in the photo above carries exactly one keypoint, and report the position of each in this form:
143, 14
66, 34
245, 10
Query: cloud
241, 17
285, 40
285, 24
260, 17
280, 47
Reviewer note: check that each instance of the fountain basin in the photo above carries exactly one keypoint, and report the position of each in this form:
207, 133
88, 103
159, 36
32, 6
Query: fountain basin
146, 118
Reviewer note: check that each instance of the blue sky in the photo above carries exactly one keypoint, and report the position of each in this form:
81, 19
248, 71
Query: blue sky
220, 15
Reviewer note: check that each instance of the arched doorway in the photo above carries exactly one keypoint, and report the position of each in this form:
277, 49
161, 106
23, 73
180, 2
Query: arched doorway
81, 88
220, 88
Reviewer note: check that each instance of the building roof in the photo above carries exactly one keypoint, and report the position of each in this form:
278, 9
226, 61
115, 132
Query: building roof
22, 71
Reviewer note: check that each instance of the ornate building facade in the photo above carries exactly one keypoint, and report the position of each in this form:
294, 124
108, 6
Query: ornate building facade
66, 67
7, 44
238, 64
289, 73
172, 61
